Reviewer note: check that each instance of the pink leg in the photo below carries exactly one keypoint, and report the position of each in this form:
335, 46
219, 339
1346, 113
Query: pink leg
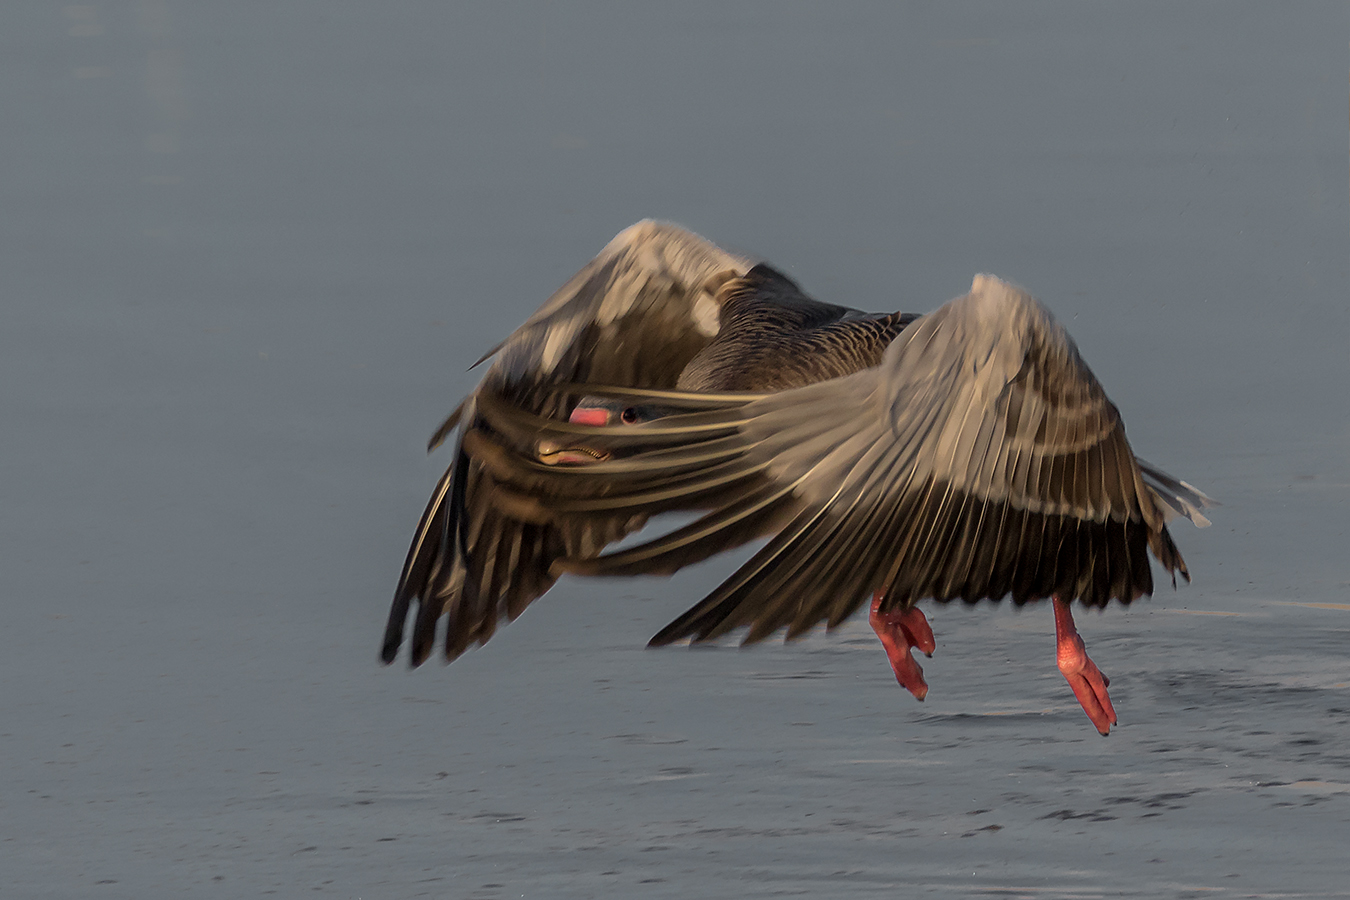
899, 631
1088, 683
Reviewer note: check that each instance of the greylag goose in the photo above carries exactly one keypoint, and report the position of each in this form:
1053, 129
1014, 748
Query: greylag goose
969, 453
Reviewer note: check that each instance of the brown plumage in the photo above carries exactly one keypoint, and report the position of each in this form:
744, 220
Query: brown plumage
966, 454
656, 303
773, 337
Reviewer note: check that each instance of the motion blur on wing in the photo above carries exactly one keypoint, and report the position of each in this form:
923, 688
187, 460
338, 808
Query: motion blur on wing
969, 453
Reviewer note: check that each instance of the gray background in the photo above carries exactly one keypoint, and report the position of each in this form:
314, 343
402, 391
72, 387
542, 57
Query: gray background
249, 250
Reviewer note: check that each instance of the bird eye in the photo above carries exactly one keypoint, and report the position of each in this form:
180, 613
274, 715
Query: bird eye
629, 415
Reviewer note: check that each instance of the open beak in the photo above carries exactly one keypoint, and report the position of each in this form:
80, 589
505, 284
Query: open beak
553, 454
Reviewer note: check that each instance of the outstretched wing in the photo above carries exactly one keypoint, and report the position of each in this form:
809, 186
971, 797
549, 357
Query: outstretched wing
981, 459
634, 316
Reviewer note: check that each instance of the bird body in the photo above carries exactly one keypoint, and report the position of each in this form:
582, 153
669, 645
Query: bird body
969, 453
773, 337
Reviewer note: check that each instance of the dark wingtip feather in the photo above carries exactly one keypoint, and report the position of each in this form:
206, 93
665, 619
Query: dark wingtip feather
424, 633
685, 626
1165, 549
666, 636
393, 631
458, 503
440, 434
486, 356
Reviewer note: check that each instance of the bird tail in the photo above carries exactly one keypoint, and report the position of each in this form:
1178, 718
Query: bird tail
1176, 497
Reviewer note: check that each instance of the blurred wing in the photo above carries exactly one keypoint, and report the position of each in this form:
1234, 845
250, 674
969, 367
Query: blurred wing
634, 316
980, 459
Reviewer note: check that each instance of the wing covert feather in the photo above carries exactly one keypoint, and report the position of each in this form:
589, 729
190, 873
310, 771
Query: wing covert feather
635, 315
980, 459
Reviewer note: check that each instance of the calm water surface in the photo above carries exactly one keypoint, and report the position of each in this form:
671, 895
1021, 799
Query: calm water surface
249, 251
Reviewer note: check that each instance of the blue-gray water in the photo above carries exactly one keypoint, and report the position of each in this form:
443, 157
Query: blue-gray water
249, 250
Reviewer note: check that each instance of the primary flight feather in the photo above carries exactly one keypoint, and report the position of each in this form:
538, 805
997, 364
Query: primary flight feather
968, 453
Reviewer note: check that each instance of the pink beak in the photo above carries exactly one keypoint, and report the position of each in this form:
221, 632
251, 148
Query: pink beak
589, 416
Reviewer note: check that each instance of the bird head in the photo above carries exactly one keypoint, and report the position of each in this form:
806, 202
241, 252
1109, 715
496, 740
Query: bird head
597, 411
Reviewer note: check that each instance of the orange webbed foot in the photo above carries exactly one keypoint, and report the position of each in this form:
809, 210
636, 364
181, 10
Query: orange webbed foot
1087, 681
898, 632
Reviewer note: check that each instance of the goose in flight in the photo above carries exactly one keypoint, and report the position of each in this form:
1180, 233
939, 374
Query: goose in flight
969, 453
